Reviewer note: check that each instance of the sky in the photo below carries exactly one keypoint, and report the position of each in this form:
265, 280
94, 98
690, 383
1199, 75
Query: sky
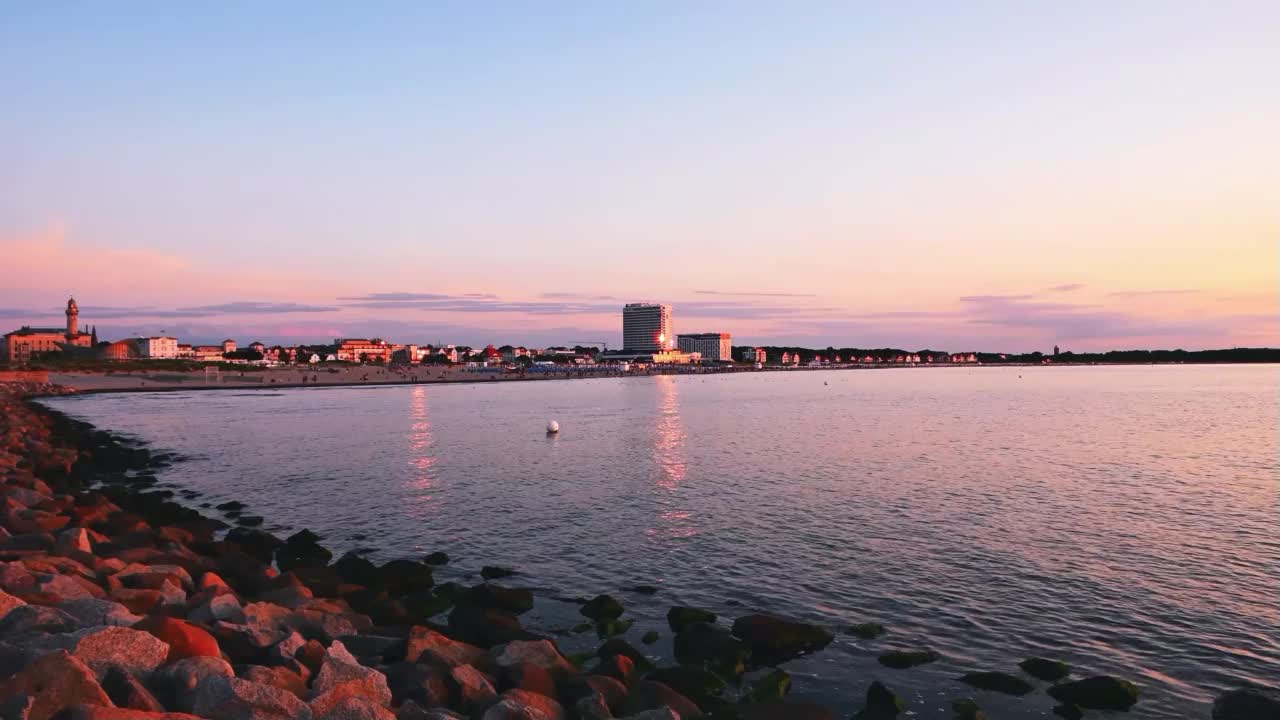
1001, 176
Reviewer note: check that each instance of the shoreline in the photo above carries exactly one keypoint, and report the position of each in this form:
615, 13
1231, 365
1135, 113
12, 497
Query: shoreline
93, 382
386, 618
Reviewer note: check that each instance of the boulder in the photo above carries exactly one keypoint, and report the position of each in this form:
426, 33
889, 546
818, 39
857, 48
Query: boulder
1100, 692
967, 709
98, 712
473, 690
96, 611
405, 576
24, 619
1248, 703
486, 627
440, 649
998, 682
424, 684
681, 617
602, 607
302, 549
698, 684
413, 711
184, 639
219, 698
224, 606
775, 711
179, 681
341, 677
496, 572
522, 705
7, 603
712, 647
542, 653
126, 692
592, 707
882, 703
650, 637
355, 708
358, 570
277, 677
53, 682
866, 631
105, 647
1044, 669
774, 686
256, 543
73, 540
436, 558
375, 648
903, 659
618, 646
618, 667
530, 678
650, 695
773, 639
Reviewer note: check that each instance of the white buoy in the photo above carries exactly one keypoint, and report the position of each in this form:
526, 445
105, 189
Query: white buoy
553, 427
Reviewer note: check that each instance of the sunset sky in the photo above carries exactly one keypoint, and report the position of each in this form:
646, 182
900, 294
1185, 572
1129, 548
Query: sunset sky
996, 176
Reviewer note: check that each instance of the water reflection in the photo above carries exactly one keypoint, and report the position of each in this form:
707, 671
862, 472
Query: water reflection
668, 458
421, 478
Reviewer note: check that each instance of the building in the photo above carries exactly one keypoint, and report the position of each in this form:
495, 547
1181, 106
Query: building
207, 353
157, 348
21, 344
186, 351
361, 350
228, 346
754, 355
120, 350
712, 346
647, 328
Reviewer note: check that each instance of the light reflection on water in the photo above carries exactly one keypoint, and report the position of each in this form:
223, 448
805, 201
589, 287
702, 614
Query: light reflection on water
1122, 519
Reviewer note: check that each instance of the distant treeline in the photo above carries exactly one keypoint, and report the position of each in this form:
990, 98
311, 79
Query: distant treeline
850, 354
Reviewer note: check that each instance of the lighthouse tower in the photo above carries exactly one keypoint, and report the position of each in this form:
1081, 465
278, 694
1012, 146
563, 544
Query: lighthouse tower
73, 319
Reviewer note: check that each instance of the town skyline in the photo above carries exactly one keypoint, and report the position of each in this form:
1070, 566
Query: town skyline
856, 175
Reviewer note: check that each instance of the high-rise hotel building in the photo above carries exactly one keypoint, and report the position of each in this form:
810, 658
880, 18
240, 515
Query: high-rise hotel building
646, 328
712, 346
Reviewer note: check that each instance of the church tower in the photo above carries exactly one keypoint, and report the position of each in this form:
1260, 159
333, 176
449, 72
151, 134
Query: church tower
73, 317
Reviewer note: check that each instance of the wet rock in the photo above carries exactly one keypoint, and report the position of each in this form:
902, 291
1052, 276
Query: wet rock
712, 647
1070, 712
184, 639
651, 695
220, 698
882, 703
440, 649
1100, 692
494, 572
311, 654
774, 686
232, 505
341, 677
424, 684
406, 576
609, 688
663, 713
376, 648
619, 667
967, 709
602, 607
53, 682
903, 659
611, 627
650, 637
106, 647
681, 617
436, 558
698, 684
522, 705
1044, 669
256, 543
1248, 703
302, 549
486, 626
473, 690
95, 611
998, 682
290, 596
487, 595
774, 639
866, 631
73, 540
126, 692
358, 570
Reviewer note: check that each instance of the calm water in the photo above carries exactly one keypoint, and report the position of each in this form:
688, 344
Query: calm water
1122, 519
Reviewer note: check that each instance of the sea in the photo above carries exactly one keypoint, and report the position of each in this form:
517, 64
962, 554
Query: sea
1124, 519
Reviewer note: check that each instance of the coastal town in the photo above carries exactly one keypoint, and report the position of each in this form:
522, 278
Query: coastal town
647, 329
